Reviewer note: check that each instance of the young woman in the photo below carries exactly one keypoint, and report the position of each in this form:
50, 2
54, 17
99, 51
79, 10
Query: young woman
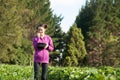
42, 44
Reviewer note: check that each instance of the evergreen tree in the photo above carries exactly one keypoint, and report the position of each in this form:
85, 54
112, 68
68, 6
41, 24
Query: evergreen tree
10, 31
103, 24
57, 40
85, 18
42, 13
36, 12
75, 47
18, 20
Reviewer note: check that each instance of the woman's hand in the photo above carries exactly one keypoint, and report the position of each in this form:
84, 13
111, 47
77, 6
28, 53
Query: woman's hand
38, 35
46, 46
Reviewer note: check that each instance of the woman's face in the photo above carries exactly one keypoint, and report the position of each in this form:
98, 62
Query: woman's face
41, 30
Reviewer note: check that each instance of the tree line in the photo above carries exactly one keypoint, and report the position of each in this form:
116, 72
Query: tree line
100, 24
92, 40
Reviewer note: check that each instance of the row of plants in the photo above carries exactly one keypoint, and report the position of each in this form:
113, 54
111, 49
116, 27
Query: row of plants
16, 72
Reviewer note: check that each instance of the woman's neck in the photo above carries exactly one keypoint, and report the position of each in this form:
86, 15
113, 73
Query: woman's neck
42, 35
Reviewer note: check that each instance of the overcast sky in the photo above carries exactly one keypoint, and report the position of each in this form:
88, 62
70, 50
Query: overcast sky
69, 9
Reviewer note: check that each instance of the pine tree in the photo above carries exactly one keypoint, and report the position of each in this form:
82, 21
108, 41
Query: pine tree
18, 20
75, 47
10, 31
37, 12
57, 40
85, 17
103, 24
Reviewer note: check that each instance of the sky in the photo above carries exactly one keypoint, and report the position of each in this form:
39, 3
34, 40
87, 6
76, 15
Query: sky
69, 9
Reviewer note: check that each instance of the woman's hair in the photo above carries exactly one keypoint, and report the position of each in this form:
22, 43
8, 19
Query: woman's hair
41, 25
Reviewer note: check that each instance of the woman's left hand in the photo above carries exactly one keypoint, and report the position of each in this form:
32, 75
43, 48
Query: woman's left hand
46, 46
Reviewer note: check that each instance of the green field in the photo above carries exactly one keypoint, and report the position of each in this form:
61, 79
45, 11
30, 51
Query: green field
16, 72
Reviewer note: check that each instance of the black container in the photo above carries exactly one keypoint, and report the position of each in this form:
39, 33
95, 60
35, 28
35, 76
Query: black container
41, 45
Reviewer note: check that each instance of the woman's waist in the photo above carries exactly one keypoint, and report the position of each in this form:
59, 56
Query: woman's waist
41, 51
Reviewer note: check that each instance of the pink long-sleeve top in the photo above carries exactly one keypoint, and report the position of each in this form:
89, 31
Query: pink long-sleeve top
42, 56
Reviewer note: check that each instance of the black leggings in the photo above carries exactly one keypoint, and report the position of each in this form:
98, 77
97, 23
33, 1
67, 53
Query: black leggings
37, 70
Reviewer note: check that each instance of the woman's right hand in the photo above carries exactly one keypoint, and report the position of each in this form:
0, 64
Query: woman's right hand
38, 35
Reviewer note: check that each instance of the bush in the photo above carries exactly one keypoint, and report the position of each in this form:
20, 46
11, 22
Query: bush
70, 73
15, 72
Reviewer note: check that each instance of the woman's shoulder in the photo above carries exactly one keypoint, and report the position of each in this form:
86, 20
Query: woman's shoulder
48, 36
34, 37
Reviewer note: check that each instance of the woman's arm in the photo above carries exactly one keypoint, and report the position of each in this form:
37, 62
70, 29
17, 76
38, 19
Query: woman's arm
50, 45
34, 43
